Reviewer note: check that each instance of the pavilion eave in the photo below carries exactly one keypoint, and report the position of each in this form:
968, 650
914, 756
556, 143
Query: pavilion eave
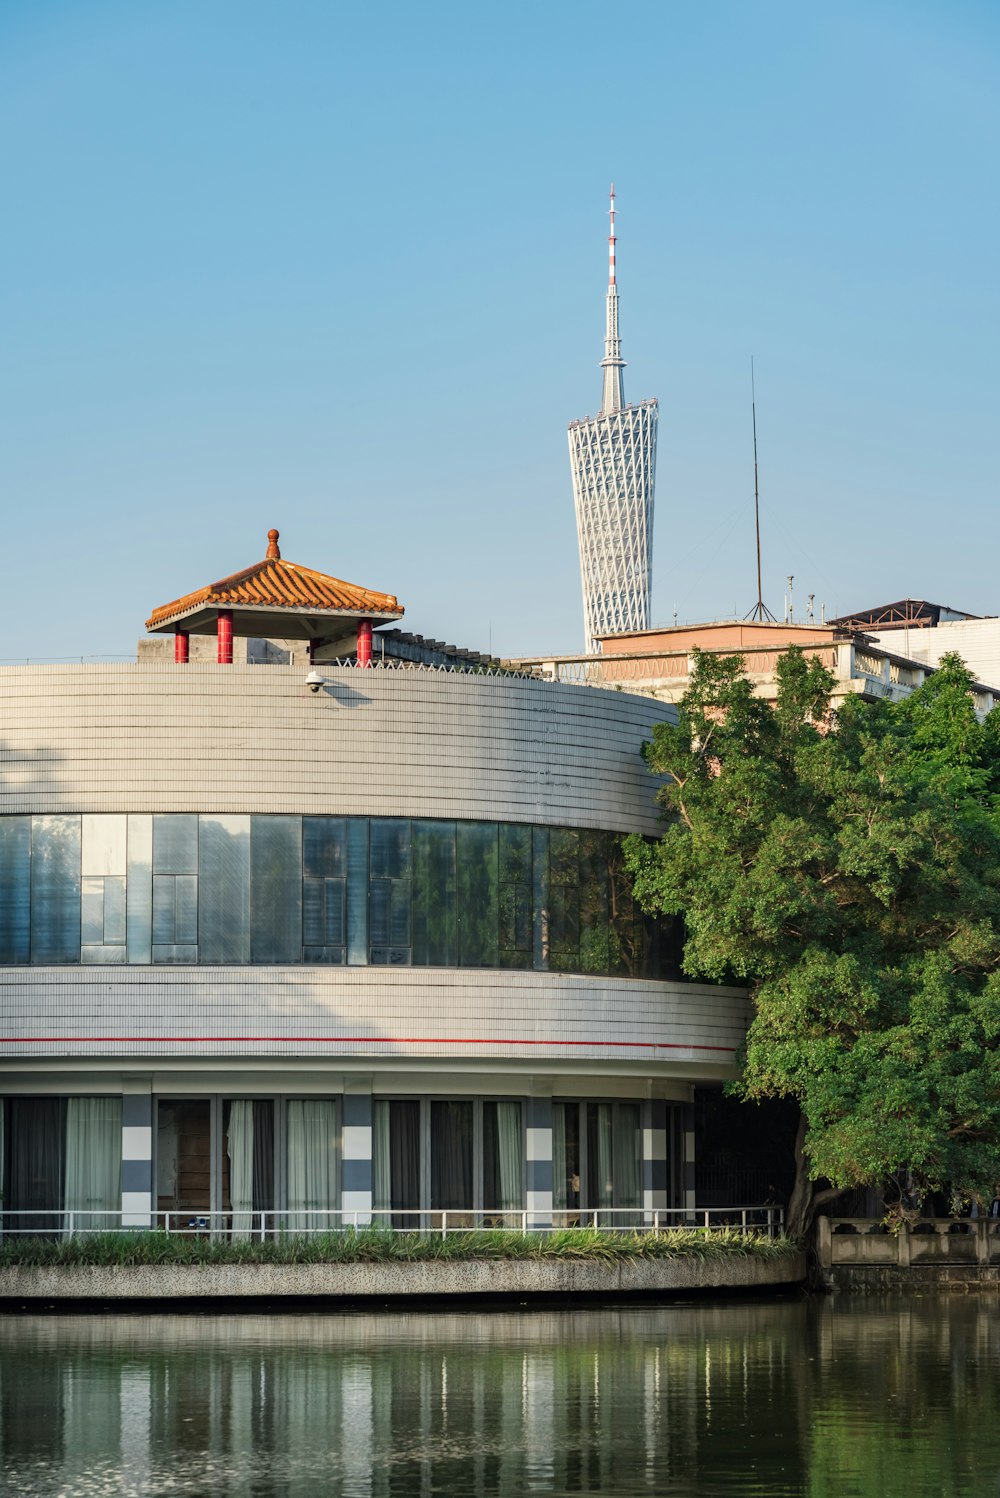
268, 621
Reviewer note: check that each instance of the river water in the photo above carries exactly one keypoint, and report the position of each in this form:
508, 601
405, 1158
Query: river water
823, 1397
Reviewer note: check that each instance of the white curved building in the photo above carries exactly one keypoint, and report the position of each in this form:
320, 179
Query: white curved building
364, 948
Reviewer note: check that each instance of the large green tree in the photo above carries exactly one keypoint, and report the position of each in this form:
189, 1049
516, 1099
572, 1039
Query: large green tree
846, 869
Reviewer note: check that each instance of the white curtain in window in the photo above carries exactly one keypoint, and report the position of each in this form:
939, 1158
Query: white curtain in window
93, 1162
511, 1167
312, 1164
560, 1165
240, 1148
382, 1167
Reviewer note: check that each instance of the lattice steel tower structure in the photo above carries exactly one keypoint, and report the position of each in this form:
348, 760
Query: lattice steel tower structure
613, 457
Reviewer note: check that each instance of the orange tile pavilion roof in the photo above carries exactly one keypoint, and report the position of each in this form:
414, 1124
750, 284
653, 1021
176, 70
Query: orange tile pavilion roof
278, 596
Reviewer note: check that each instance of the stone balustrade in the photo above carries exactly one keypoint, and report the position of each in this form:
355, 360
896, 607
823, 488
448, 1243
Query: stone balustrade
861, 1253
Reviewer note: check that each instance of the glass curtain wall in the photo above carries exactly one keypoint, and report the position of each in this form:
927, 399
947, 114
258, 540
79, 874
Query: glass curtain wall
235, 889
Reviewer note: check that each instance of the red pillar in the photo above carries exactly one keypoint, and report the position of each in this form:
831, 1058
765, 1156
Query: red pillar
225, 637
181, 647
364, 642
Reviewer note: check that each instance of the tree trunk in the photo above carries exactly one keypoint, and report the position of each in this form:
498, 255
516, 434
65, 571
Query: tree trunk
806, 1195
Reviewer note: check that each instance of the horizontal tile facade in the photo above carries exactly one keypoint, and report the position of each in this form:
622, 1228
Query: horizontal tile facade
384, 1013
203, 737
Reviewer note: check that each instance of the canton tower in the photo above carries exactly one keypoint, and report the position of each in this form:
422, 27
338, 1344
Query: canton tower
613, 457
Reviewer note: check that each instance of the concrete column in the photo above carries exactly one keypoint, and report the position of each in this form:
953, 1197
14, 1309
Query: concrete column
538, 1137
654, 1156
357, 1168
824, 1241
903, 1247
983, 1245
138, 1199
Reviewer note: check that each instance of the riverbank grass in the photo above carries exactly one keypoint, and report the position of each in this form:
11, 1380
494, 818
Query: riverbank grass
381, 1246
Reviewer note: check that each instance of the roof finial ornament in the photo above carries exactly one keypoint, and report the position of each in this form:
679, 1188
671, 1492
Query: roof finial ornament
273, 550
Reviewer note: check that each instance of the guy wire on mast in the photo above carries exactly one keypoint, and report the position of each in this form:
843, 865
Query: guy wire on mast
760, 611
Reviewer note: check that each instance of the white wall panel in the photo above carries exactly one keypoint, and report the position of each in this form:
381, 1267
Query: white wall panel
142, 738
370, 1012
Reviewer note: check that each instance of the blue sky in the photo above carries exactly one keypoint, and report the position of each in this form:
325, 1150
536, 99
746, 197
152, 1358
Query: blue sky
341, 270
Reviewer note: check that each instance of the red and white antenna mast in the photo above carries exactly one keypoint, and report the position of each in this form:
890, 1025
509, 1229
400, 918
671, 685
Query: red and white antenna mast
611, 240
614, 391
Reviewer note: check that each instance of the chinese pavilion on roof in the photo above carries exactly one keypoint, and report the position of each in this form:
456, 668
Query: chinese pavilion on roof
276, 599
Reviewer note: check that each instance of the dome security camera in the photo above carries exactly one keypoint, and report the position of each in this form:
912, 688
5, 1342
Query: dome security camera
314, 681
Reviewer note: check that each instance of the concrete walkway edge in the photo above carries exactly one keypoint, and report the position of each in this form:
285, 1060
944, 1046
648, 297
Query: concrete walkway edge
382, 1280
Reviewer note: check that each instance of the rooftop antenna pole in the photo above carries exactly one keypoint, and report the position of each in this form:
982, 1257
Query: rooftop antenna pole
613, 397
760, 610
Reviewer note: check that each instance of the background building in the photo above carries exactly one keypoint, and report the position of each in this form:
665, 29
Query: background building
613, 459
927, 631
659, 661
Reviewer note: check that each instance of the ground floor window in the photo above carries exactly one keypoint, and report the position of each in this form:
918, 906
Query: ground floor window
312, 1162
596, 1158
184, 1155
246, 1156
456, 1155
248, 1125
61, 1155
249, 1165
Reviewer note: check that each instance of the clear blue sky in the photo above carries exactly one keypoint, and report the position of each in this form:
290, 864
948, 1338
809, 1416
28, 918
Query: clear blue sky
341, 269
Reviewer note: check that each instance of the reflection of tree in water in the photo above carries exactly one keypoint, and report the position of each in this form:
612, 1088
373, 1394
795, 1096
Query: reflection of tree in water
904, 1399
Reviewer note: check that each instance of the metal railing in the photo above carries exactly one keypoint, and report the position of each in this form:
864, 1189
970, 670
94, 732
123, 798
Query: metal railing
290, 1222
459, 667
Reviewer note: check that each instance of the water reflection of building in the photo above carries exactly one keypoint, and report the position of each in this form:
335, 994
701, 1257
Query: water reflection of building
622, 1401
834, 1395
368, 946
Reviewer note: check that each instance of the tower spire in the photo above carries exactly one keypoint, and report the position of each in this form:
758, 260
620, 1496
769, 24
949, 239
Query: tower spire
613, 457
613, 398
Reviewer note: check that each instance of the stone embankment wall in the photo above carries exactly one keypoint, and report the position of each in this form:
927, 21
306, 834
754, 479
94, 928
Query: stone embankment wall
381, 1281
934, 1254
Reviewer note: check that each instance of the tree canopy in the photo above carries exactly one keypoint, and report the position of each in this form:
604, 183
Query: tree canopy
846, 868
